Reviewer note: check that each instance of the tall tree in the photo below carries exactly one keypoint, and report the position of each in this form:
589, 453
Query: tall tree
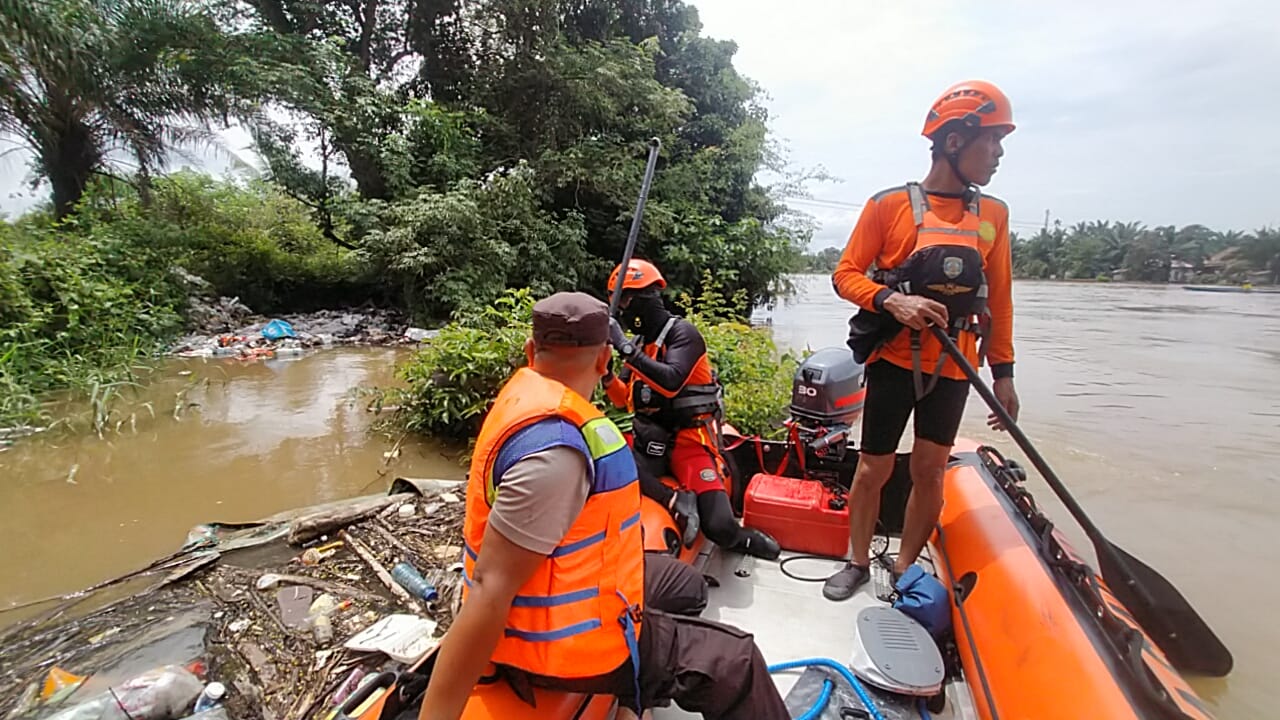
83, 82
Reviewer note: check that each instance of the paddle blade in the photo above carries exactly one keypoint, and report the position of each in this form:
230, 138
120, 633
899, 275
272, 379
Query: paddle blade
1172, 623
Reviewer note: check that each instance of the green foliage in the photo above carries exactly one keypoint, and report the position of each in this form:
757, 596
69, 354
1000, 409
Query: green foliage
1132, 251
571, 90
453, 379
253, 242
756, 376
461, 249
81, 308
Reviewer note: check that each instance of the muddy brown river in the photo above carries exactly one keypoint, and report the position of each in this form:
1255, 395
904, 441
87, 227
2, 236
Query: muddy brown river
1158, 407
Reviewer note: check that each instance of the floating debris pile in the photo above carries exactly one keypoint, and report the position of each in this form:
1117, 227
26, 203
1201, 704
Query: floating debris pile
287, 616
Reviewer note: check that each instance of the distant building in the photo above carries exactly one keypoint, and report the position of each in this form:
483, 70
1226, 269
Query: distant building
1181, 271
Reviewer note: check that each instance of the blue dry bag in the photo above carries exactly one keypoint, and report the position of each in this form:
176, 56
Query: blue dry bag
925, 599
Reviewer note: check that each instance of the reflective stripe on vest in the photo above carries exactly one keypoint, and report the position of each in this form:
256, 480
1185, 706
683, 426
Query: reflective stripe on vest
932, 230
570, 619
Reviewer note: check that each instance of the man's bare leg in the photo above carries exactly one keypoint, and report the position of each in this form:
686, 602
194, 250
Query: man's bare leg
864, 507
924, 505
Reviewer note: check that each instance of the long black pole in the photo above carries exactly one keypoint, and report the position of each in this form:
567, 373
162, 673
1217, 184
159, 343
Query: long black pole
1173, 623
654, 145
1101, 544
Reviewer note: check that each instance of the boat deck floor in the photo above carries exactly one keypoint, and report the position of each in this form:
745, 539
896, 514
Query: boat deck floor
791, 620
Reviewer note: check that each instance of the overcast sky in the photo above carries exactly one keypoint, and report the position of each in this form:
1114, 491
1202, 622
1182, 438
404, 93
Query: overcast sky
1126, 110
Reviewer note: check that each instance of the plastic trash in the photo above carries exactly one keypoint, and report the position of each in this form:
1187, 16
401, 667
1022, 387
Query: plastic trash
404, 638
406, 510
314, 555
276, 329
318, 618
295, 603
210, 697
410, 579
417, 334
159, 694
59, 683
268, 581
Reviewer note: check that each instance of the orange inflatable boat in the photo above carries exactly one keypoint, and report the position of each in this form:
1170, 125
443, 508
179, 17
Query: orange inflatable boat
1035, 633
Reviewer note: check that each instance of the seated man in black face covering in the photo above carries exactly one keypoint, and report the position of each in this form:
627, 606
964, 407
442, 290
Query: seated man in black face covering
669, 384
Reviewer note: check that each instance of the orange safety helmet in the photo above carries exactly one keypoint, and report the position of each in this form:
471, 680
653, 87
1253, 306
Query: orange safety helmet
975, 103
640, 275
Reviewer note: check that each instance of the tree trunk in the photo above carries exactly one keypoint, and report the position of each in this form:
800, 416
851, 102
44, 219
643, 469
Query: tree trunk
365, 167
69, 160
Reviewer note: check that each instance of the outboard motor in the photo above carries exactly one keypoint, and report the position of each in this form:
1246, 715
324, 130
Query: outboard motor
827, 395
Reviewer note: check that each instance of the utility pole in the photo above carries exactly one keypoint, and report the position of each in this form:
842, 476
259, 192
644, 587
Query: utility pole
1046, 221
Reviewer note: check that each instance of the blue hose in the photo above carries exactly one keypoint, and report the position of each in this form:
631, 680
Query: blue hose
818, 707
821, 703
924, 710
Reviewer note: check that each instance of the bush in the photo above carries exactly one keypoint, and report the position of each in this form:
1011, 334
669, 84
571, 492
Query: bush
452, 381
81, 308
254, 242
459, 250
756, 376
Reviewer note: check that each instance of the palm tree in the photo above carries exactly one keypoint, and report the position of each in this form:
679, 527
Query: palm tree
83, 82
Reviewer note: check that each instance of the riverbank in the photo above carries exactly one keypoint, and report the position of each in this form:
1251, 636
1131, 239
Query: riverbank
228, 328
222, 329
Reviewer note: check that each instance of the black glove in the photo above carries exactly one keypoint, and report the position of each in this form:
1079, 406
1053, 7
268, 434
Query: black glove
618, 339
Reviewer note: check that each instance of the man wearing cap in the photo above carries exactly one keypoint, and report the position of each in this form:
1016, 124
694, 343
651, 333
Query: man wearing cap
556, 593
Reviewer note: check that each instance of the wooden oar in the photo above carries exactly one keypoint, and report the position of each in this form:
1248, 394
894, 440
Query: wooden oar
1154, 602
654, 145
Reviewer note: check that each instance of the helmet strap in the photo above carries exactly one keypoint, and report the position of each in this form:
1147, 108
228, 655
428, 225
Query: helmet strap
953, 159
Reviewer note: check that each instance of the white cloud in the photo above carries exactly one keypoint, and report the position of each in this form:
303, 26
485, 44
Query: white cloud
1125, 111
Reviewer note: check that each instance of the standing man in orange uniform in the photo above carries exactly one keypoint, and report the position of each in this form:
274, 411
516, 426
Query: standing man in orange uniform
930, 253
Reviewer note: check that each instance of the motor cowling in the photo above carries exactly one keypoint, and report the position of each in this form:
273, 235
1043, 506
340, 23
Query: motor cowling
827, 394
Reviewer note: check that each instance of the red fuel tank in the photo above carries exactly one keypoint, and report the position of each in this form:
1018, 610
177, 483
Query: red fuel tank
803, 515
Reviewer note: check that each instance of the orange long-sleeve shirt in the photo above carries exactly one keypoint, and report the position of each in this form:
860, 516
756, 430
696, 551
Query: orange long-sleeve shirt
885, 235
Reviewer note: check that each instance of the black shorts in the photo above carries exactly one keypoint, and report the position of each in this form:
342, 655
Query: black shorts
891, 396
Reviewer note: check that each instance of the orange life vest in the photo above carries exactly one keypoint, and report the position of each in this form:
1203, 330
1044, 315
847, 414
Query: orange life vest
698, 400
946, 265
579, 614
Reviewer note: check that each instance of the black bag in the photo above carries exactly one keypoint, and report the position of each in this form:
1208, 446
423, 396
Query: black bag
869, 330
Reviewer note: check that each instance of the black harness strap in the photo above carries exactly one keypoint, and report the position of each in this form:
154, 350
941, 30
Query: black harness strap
919, 206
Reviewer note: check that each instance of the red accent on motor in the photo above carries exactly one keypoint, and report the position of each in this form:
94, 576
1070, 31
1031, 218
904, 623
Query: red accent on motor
856, 399
800, 514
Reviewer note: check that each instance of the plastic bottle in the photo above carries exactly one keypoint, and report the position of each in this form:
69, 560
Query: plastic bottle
318, 618
210, 697
322, 629
410, 579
